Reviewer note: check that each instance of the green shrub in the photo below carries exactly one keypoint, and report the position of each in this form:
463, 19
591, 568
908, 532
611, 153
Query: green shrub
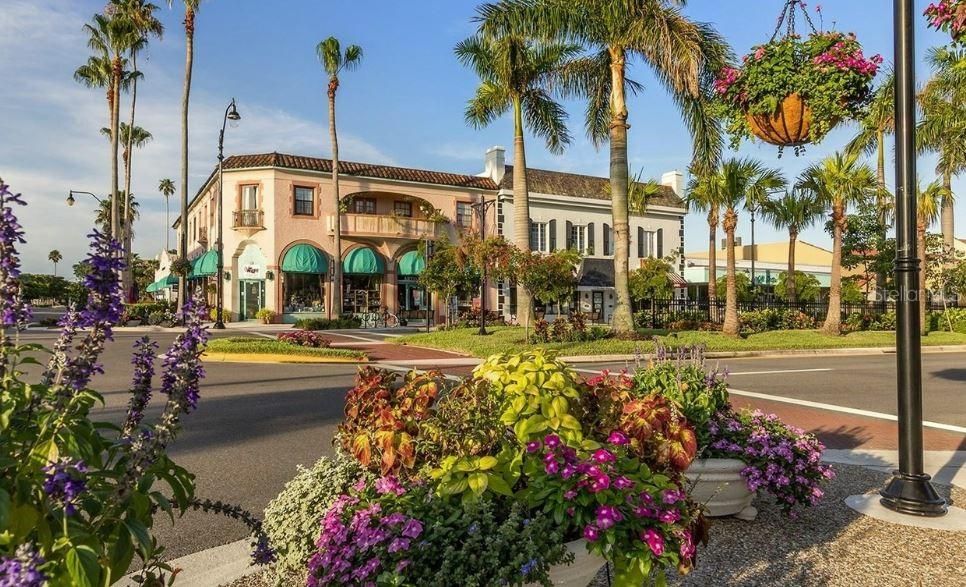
760, 320
954, 316
292, 518
264, 346
345, 322
266, 316
143, 311
795, 320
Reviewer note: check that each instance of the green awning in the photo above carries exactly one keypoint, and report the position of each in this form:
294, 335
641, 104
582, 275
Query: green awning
163, 283
303, 258
363, 261
205, 265
412, 263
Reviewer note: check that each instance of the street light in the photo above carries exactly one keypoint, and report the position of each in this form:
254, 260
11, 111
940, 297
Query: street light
481, 207
909, 491
231, 113
71, 200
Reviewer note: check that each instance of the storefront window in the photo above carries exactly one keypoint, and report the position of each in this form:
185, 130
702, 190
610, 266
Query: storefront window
303, 292
361, 294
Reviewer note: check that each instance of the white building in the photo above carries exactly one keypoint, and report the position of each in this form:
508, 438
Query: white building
569, 210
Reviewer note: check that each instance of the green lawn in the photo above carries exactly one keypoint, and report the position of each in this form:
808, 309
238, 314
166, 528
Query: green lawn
511, 339
264, 346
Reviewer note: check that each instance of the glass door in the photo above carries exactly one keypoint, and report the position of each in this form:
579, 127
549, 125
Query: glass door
252, 298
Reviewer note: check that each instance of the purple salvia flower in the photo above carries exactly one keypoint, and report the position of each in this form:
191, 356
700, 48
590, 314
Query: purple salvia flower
13, 311
65, 482
143, 360
58, 356
22, 569
181, 365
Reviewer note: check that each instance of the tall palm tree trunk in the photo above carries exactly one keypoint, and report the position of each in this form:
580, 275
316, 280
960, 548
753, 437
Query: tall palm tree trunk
334, 138
117, 67
712, 264
791, 291
127, 277
883, 207
623, 320
189, 33
947, 220
731, 324
833, 320
521, 208
921, 253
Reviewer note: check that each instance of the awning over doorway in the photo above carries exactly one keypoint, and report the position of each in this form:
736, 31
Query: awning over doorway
363, 261
412, 263
304, 258
163, 283
205, 265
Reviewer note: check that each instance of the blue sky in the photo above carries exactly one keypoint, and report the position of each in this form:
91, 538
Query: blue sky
404, 105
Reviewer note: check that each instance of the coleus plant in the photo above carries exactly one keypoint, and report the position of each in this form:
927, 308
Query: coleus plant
382, 419
826, 70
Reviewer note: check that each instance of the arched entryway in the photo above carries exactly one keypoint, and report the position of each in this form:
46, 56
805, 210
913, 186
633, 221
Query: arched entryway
303, 275
363, 276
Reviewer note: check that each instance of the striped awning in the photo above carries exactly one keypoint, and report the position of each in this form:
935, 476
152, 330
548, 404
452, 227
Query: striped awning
205, 265
677, 280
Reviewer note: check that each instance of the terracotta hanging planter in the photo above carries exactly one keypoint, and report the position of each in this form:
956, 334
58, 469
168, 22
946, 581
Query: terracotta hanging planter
788, 126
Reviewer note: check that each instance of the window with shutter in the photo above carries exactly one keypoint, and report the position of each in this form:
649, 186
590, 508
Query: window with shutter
569, 235
607, 240
660, 243
640, 242
552, 228
590, 239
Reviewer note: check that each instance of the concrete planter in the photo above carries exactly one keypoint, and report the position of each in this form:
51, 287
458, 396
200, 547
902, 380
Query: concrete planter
718, 484
579, 573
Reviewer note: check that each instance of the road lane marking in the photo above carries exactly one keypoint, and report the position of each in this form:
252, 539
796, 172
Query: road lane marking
841, 409
777, 371
355, 337
819, 405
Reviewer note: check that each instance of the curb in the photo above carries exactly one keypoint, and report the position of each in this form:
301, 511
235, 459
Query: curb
275, 358
770, 353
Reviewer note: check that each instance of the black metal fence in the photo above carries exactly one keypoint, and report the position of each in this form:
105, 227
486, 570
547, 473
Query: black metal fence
661, 313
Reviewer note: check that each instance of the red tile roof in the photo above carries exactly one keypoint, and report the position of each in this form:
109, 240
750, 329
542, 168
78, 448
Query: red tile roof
359, 169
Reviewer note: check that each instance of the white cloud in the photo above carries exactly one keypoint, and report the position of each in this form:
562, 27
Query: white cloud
52, 141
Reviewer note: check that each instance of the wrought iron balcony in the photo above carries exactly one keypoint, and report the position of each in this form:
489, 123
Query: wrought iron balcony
248, 219
386, 226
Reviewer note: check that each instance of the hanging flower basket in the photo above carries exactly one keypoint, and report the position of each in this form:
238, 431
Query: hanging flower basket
792, 91
948, 16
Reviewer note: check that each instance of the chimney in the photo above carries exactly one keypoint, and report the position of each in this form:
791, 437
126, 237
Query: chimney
494, 164
675, 181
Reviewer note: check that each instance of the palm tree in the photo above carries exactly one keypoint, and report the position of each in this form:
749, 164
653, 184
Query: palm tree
878, 122
167, 189
929, 203
111, 37
704, 195
334, 61
103, 216
516, 74
641, 191
837, 181
55, 257
740, 181
190, 10
683, 54
943, 126
794, 211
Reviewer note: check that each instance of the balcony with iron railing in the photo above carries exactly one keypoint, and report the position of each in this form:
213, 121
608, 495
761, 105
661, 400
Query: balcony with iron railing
386, 226
248, 220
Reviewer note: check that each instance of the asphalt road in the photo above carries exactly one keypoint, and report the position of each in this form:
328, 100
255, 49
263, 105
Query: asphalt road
865, 382
256, 422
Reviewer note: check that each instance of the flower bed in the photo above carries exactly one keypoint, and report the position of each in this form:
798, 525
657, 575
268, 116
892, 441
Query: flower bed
306, 338
239, 345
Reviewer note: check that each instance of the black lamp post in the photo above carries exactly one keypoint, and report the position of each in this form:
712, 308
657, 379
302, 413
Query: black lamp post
909, 491
481, 207
71, 200
231, 113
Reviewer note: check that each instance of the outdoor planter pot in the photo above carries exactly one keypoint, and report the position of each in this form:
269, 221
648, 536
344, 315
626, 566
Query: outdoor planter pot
718, 485
786, 127
582, 571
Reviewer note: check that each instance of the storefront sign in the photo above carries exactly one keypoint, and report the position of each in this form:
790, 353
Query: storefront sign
252, 263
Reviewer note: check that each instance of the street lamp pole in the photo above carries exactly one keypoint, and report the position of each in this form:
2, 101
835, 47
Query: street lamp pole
481, 208
909, 491
231, 113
